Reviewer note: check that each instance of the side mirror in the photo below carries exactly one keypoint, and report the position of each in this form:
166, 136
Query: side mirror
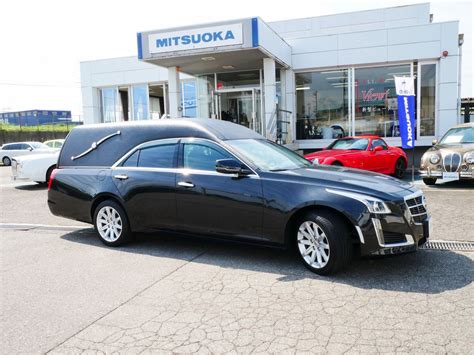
230, 166
30, 149
377, 149
434, 142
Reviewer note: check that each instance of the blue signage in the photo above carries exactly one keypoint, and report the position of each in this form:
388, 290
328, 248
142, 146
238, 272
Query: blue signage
405, 87
196, 38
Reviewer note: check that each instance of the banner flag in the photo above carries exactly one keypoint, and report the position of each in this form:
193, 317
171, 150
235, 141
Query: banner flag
405, 87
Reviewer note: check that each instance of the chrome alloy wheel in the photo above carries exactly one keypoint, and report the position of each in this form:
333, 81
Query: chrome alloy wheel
109, 224
313, 244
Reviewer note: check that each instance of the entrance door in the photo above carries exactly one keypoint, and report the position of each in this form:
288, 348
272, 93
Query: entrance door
239, 106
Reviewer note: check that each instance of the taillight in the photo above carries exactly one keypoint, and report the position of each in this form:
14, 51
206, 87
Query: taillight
51, 178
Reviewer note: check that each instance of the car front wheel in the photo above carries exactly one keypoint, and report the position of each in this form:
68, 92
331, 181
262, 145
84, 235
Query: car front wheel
429, 181
323, 242
6, 161
111, 223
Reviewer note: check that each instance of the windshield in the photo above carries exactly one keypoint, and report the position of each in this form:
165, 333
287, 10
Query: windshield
350, 143
268, 156
38, 145
458, 135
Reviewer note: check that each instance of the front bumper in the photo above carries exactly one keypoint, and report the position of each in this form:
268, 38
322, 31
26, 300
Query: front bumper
403, 230
438, 174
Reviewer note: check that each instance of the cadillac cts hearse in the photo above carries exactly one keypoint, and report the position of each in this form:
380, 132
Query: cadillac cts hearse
217, 179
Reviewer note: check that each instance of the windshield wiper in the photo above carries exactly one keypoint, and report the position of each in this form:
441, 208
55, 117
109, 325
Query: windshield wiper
274, 170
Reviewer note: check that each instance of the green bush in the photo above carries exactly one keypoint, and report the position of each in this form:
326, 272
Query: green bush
40, 128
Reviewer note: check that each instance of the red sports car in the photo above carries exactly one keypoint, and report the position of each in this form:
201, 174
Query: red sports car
363, 152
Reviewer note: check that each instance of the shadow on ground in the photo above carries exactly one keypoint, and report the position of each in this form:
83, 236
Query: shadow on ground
32, 187
427, 272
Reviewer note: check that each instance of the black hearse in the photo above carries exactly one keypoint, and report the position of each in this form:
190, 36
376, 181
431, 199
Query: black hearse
214, 178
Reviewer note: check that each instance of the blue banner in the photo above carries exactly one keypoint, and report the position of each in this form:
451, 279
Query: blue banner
406, 118
405, 87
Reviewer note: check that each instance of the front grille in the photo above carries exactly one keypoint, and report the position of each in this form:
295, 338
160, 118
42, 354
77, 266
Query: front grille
451, 162
393, 238
417, 208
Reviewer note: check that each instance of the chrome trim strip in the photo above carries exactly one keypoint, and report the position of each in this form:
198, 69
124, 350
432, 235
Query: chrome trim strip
361, 235
95, 145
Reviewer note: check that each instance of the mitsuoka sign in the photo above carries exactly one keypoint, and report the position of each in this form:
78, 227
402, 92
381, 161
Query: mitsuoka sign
207, 37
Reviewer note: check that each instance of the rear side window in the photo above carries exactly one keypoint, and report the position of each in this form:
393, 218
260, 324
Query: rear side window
132, 160
159, 156
13, 147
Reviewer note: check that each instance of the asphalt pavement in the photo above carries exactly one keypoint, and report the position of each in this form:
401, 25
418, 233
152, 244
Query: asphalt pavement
62, 291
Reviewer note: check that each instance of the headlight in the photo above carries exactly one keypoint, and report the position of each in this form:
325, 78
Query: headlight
434, 159
469, 157
374, 205
315, 161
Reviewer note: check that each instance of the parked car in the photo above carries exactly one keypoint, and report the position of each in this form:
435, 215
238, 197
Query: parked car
36, 168
10, 150
215, 178
55, 143
363, 152
452, 158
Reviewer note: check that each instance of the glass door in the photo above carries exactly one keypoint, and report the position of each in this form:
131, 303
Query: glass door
238, 106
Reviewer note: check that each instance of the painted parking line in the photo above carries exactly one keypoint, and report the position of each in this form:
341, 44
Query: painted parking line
48, 227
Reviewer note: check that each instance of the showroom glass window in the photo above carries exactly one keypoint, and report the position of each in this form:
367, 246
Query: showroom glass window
188, 98
322, 105
376, 109
110, 112
427, 77
140, 102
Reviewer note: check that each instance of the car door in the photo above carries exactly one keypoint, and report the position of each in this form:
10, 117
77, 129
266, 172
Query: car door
215, 203
146, 181
379, 159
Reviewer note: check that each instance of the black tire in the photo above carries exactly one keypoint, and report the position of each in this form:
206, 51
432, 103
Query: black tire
337, 235
125, 234
400, 168
337, 163
6, 161
429, 181
48, 173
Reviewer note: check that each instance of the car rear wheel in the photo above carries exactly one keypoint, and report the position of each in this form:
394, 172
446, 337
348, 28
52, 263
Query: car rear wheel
48, 173
429, 181
323, 242
400, 168
6, 161
111, 223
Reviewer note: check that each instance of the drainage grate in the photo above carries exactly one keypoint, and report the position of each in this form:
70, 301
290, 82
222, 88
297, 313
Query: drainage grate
448, 245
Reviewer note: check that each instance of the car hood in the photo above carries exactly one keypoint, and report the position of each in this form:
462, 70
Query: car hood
331, 153
42, 156
459, 148
353, 180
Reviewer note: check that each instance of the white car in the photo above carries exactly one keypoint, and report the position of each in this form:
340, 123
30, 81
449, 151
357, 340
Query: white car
36, 168
10, 150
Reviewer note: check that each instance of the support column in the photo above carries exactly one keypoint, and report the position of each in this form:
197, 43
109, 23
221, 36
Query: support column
288, 90
269, 87
174, 93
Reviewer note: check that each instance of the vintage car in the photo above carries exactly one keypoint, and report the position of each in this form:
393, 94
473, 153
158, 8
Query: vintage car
363, 152
16, 149
36, 168
452, 158
213, 178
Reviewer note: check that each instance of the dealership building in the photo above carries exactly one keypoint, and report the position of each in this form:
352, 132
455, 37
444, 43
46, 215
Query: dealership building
301, 82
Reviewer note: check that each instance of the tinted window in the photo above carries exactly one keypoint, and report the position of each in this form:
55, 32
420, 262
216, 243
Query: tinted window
377, 142
202, 156
25, 146
14, 146
132, 160
159, 156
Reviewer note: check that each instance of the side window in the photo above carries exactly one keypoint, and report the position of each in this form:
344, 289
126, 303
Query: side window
159, 156
202, 156
15, 147
25, 146
7, 147
377, 142
132, 160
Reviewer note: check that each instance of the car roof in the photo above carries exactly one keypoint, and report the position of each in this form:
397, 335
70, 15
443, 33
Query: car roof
471, 124
130, 134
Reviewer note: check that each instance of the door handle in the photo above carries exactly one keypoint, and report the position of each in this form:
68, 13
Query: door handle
185, 184
121, 177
